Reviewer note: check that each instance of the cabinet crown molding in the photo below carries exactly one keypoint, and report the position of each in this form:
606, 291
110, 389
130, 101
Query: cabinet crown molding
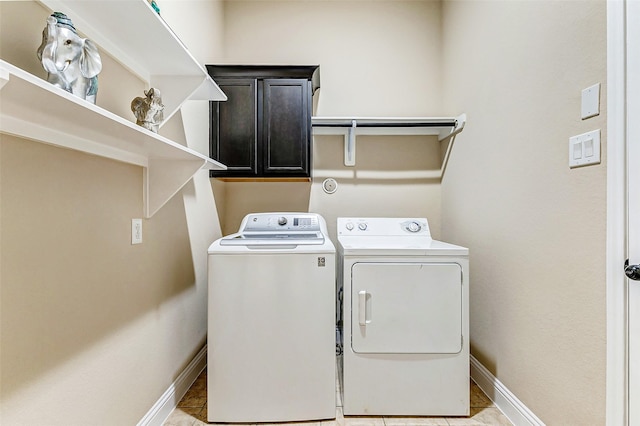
310, 72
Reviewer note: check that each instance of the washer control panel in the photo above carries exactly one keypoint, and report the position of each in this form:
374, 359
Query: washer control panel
272, 222
380, 226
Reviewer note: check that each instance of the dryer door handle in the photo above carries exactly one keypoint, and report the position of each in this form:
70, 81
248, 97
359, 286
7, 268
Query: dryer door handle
362, 308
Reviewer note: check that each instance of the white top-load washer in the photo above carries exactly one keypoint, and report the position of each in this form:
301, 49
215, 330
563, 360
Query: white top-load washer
405, 318
271, 352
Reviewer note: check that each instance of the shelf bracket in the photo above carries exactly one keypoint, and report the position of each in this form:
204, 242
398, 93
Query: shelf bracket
163, 178
461, 120
350, 145
449, 138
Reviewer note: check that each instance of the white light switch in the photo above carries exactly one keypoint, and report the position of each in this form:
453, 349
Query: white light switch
588, 148
591, 101
584, 149
577, 149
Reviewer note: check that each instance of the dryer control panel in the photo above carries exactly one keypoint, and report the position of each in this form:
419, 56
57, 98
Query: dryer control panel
383, 226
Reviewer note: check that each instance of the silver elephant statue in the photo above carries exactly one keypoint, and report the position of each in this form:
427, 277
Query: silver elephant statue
72, 62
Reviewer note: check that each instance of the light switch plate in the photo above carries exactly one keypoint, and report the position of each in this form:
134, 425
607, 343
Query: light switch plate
591, 101
584, 149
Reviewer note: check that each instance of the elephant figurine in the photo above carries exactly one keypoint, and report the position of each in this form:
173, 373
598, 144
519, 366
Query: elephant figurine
148, 110
72, 62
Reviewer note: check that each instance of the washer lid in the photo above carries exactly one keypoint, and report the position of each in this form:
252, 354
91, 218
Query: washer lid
272, 238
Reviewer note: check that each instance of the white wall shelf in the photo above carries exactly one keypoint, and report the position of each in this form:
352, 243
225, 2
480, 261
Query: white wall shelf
34, 109
444, 127
136, 36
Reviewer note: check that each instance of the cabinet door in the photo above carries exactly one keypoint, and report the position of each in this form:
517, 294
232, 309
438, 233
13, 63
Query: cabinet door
233, 128
286, 127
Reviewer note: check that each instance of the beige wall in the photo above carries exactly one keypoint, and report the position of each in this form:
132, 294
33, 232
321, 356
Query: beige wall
93, 329
85, 316
536, 228
199, 24
378, 58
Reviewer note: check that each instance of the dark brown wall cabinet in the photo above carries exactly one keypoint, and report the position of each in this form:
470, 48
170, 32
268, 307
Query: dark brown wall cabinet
263, 130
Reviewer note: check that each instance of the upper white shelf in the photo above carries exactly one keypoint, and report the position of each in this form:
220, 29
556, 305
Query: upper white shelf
34, 109
137, 37
441, 126
350, 127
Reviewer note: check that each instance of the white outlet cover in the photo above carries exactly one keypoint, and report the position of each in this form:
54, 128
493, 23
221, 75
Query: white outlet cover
591, 101
136, 231
584, 149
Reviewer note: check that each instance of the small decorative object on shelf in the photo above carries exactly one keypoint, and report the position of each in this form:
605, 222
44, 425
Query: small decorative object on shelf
154, 5
72, 62
148, 110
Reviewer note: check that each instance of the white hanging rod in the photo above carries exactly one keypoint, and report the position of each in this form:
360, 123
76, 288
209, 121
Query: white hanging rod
383, 121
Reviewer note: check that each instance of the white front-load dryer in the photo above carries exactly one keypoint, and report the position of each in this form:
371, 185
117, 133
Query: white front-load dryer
406, 323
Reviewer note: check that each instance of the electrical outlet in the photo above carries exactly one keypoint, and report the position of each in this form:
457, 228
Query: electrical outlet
136, 231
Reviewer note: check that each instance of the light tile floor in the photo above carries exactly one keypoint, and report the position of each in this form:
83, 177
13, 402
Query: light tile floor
192, 411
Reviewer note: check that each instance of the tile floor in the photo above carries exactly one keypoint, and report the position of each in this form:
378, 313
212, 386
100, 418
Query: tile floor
192, 411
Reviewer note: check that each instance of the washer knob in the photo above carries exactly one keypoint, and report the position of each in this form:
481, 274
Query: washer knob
362, 226
414, 227
282, 220
349, 226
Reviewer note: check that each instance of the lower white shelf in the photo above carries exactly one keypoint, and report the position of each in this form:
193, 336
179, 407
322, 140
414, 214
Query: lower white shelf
34, 109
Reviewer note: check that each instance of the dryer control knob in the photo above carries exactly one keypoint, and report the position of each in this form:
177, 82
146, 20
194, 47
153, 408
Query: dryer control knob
282, 220
414, 227
349, 226
362, 226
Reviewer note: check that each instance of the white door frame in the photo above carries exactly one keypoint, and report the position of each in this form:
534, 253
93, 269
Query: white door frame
617, 370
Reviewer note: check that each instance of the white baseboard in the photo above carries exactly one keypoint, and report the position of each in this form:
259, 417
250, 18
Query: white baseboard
506, 401
172, 396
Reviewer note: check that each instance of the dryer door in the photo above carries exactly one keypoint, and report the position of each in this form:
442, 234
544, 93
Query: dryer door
406, 308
